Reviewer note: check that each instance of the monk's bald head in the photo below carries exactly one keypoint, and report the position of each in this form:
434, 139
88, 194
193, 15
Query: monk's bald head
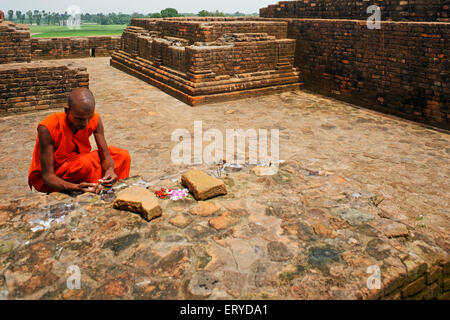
82, 100
80, 108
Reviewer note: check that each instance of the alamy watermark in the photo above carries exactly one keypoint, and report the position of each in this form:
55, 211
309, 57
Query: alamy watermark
74, 21
213, 151
374, 281
374, 21
74, 280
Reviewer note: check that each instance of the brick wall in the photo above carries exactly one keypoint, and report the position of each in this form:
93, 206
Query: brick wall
402, 69
76, 47
244, 54
14, 43
396, 10
38, 85
209, 29
423, 282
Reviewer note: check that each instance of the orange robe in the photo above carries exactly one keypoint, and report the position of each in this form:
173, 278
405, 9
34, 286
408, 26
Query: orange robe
73, 159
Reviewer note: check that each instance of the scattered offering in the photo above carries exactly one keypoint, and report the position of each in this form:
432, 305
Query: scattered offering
173, 194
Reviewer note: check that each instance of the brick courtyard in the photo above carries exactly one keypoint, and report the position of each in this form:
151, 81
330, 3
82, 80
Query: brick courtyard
358, 188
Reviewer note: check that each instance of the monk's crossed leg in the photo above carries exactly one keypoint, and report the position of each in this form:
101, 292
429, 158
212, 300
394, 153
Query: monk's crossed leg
87, 167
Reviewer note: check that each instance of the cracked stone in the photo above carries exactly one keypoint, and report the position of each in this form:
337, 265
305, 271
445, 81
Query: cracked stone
354, 217
205, 209
322, 256
202, 284
120, 244
391, 228
322, 230
180, 221
339, 180
264, 171
224, 221
378, 249
278, 251
203, 186
139, 200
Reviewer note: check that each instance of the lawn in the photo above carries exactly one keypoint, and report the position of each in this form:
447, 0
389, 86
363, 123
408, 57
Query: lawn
85, 31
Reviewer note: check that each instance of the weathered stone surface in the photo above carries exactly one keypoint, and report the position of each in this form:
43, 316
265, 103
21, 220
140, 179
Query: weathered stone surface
414, 287
180, 221
202, 284
391, 228
224, 221
338, 180
278, 251
322, 230
265, 171
270, 210
203, 186
139, 200
205, 209
322, 256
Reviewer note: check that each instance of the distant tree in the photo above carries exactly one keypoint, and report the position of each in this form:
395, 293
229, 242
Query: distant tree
64, 17
18, 15
10, 15
57, 18
86, 17
204, 13
30, 16
49, 18
37, 17
156, 15
44, 15
169, 12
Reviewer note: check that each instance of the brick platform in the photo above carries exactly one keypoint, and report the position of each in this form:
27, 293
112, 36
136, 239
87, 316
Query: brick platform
38, 85
14, 43
74, 47
232, 66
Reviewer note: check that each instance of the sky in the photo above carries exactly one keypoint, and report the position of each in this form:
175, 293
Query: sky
141, 6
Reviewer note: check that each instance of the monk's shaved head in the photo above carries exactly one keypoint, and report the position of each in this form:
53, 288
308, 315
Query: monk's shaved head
80, 108
82, 100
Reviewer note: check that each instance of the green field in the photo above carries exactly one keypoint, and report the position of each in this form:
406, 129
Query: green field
85, 31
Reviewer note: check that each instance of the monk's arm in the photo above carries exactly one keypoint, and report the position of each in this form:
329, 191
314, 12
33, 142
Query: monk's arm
105, 157
48, 173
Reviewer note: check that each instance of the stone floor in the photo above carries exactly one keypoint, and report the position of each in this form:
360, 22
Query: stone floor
358, 188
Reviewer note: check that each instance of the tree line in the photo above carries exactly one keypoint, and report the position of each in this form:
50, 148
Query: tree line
38, 17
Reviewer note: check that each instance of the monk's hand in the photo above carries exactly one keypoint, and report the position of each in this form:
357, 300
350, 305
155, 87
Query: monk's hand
110, 178
90, 187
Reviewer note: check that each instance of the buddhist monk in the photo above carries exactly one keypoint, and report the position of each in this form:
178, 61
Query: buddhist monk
2, 15
62, 157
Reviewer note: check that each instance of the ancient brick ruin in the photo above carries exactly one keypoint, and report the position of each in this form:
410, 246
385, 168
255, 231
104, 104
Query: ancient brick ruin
201, 60
401, 68
73, 47
14, 43
396, 10
38, 85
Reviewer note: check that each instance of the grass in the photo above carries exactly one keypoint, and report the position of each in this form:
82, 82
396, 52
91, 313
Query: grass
85, 31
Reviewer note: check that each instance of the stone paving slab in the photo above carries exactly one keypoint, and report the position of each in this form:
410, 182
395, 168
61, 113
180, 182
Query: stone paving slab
358, 189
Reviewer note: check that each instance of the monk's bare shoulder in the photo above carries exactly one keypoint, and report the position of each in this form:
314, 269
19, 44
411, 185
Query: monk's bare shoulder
100, 129
44, 136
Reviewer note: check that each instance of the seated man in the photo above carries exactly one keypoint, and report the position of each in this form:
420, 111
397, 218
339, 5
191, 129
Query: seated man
62, 157
2, 15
